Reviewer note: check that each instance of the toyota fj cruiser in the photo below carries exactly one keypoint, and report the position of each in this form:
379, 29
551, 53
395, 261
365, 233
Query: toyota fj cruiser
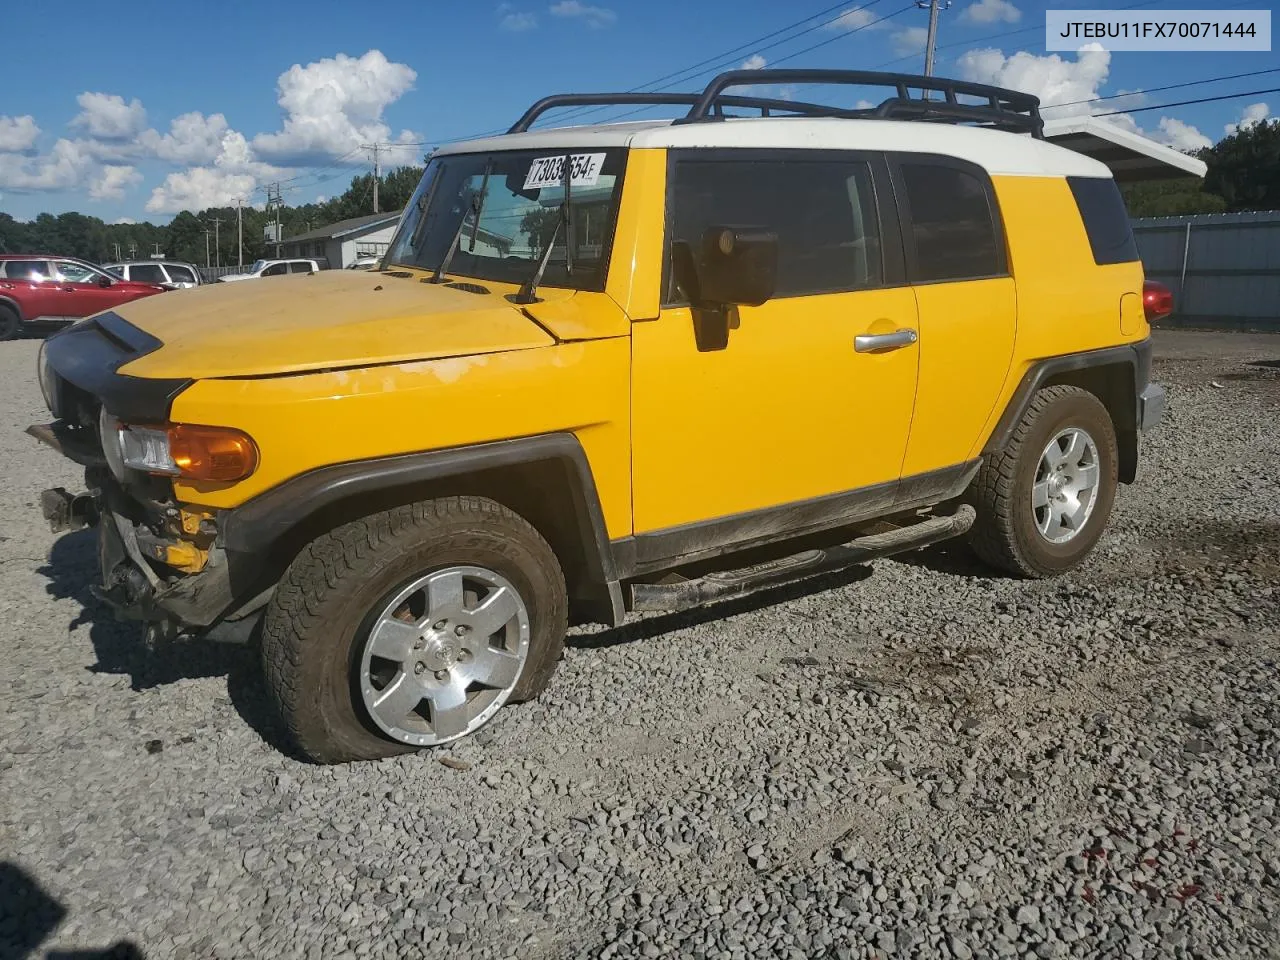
634, 366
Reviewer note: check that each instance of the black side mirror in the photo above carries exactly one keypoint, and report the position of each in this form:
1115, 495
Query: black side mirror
735, 266
104, 281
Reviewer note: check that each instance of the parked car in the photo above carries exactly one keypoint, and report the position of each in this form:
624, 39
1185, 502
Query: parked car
364, 263
47, 289
170, 274
803, 344
275, 268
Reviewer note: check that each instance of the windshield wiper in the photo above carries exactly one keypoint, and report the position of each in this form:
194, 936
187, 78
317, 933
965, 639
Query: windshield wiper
529, 289
477, 204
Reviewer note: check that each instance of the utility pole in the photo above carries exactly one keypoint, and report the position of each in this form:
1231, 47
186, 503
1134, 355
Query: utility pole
275, 200
377, 171
206, 248
217, 249
239, 232
931, 43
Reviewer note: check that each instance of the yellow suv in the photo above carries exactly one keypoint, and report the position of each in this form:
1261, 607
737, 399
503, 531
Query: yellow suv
632, 366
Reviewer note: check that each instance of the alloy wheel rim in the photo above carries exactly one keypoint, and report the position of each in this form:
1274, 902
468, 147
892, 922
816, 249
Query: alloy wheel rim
443, 654
1066, 485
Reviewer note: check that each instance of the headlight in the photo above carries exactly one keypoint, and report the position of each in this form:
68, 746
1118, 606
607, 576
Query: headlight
180, 450
109, 435
50, 385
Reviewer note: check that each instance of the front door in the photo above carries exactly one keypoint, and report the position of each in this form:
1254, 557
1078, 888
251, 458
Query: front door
81, 290
792, 405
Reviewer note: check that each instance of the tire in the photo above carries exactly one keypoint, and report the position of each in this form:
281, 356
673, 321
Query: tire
10, 322
1011, 531
338, 607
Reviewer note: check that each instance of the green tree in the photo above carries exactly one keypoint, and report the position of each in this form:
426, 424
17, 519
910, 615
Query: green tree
1244, 168
1170, 198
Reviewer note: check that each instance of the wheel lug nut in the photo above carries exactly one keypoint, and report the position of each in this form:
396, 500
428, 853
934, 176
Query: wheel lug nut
419, 644
440, 625
442, 674
419, 668
461, 630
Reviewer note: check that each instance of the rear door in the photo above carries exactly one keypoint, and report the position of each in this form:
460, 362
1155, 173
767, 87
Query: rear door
275, 270
787, 408
302, 266
959, 270
30, 284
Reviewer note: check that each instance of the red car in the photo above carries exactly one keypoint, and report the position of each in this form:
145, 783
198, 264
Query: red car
42, 289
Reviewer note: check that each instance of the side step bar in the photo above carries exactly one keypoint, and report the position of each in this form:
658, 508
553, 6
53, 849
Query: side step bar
734, 583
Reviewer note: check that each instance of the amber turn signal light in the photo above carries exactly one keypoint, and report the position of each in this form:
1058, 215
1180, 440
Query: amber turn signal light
211, 453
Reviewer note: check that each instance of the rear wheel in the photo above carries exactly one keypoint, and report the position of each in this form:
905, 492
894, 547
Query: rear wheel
411, 628
1044, 500
10, 322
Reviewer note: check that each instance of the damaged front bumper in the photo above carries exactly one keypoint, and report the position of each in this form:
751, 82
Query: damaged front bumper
138, 579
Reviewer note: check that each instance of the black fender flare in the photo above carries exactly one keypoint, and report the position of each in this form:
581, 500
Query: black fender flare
1125, 408
7, 301
260, 523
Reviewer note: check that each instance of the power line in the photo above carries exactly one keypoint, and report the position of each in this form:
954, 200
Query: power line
1187, 103
1170, 86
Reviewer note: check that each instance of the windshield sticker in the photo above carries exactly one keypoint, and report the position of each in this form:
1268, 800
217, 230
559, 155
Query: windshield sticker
549, 171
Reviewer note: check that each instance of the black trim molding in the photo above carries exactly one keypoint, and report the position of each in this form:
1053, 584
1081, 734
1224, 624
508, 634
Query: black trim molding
676, 546
88, 355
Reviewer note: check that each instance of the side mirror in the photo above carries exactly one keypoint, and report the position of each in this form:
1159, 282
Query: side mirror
735, 266
104, 281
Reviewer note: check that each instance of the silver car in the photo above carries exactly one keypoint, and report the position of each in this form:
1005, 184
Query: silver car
166, 273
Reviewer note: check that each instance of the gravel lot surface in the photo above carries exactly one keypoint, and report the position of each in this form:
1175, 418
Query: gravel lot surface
912, 760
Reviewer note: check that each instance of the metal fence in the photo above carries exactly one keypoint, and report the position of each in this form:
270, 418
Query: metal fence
1223, 268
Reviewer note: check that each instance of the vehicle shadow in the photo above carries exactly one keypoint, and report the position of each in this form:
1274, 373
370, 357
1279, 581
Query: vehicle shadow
656, 625
121, 648
955, 558
28, 915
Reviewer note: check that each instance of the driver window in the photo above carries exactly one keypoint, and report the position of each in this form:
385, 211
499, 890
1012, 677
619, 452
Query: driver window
275, 270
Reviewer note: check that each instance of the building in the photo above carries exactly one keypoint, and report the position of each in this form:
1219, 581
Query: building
342, 242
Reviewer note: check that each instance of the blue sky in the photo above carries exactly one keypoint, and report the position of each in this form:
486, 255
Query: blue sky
139, 111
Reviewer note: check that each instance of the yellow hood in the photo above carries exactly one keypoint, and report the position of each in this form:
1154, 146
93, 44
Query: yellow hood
335, 318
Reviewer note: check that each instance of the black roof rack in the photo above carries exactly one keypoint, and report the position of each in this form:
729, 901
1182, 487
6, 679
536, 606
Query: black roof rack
1003, 109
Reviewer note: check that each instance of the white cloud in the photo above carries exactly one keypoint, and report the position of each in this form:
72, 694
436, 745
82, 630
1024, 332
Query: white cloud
991, 11
754, 62
110, 182
910, 40
123, 221
855, 18
105, 116
333, 105
18, 134
193, 138
594, 17
62, 168
1182, 136
1054, 79
1250, 116
235, 173
516, 21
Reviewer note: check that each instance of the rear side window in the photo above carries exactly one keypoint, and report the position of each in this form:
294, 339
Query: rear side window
1105, 219
300, 266
180, 274
823, 211
275, 270
147, 273
952, 224
24, 269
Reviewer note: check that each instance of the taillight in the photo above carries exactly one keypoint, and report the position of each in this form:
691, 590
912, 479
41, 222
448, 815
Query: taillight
1157, 300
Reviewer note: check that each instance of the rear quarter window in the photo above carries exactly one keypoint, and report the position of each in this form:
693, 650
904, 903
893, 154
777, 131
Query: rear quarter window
1105, 219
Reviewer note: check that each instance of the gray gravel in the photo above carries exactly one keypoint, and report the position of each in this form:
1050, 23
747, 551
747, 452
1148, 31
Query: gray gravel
917, 760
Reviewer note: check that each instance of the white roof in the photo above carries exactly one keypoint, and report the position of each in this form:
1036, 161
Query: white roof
1130, 156
1000, 153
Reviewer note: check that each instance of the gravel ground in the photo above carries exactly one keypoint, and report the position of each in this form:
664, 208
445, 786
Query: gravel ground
911, 760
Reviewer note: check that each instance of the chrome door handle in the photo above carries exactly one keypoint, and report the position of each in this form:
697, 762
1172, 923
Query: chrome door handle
875, 342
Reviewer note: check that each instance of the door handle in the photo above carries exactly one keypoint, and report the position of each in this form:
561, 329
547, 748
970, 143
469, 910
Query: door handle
875, 342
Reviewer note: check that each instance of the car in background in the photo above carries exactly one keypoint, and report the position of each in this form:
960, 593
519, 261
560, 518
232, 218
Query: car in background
276, 268
171, 275
364, 263
36, 288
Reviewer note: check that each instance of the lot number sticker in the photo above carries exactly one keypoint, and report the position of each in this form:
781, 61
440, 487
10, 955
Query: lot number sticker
549, 171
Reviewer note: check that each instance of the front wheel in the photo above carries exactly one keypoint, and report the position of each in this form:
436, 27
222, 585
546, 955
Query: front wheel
10, 323
1043, 501
411, 628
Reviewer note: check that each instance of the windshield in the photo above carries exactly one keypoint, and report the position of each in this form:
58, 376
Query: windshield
257, 265
518, 217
